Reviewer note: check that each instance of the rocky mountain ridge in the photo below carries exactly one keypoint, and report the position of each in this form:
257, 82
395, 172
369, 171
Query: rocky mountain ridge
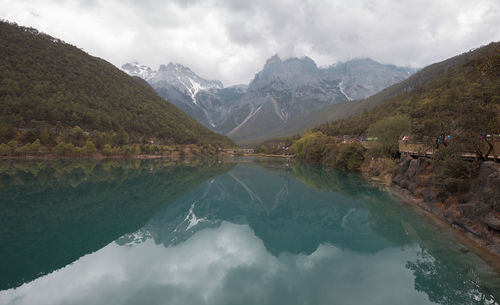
174, 74
283, 90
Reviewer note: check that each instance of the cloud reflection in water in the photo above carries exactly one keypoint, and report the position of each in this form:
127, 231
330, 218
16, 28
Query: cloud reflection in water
225, 265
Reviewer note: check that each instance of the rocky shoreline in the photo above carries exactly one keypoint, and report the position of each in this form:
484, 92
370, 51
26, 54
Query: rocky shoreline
476, 212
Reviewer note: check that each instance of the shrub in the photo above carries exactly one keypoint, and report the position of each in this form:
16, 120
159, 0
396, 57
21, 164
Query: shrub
451, 172
108, 150
311, 147
318, 148
13, 144
350, 156
67, 149
131, 149
4, 149
89, 148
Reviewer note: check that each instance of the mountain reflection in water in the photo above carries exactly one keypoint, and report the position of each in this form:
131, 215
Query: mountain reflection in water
55, 212
269, 232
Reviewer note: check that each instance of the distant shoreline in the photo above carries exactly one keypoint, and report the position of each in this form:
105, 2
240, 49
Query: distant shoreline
52, 157
271, 156
100, 156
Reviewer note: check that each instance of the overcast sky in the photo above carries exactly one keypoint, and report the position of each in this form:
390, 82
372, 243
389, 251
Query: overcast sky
230, 40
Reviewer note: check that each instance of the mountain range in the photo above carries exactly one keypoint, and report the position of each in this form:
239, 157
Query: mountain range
283, 91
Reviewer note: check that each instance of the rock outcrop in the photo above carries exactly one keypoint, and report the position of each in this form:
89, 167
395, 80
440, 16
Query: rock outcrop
282, 91
476, 212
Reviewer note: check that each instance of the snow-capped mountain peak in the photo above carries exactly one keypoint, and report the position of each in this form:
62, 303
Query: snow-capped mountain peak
282, 92
136, 69
184, 79
173, 75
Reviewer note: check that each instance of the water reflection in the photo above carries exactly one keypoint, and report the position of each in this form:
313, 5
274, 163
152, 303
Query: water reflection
55, 212
448, 271
274, 233
226, 265
283, 212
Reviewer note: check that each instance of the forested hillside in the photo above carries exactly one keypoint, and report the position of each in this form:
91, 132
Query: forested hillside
458, 76
458, 96
451, 108
49, 88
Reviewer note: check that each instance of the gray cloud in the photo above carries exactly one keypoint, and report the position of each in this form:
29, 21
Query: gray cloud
230, 40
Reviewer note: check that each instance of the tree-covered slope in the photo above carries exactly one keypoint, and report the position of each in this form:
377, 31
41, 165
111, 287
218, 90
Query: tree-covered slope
450, 108
453, 74
46, 83
458, 96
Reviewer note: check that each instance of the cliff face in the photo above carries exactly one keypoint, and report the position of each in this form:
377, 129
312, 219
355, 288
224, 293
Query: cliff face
476, 212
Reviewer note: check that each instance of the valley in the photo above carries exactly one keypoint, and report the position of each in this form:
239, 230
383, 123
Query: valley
282, 179
283, 92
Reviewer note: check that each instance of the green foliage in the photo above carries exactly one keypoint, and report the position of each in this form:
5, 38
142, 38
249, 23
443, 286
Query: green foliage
31, 135
131, 149
277, 146
4, 149
13, 144
6, 132
46, 84
319, 148
388, 131
150, 148
459, 97
34, 148
311, 146
76, 135
102, 138
451, 172
209, 149
350, 156
89, 148
121, 138
67, 149
108, 150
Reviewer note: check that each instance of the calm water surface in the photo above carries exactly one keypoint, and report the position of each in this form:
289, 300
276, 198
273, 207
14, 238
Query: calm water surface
253, 231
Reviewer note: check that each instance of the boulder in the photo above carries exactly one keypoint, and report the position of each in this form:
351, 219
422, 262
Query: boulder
412, 169
423, 166
492, 220
403, 167
428, 194
485, 189
473, 211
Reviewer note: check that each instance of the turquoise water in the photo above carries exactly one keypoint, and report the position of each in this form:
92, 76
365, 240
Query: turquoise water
252, 231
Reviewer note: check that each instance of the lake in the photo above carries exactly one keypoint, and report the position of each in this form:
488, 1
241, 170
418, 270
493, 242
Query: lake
235, 231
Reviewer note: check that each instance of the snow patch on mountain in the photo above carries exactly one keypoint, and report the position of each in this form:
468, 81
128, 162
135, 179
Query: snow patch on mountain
136, 69
252, 113
342, 90
281, 114
196, 87
175, 75
281, 92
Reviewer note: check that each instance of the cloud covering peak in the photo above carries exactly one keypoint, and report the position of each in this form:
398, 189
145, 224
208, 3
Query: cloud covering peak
230, 40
